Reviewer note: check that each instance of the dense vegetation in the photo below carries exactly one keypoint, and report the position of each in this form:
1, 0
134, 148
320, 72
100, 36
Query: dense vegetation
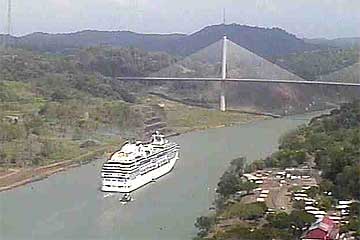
331, 144
38, 131
337, 42
51, 105
231, 181
335, 144
85, 74
122, 61
311, 65
348, 74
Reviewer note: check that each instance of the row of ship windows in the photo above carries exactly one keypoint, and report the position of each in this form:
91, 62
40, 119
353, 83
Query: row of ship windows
112, 174
119, 171
160, 163
149, 168
156, 160
115, 180
117, 186
134, 167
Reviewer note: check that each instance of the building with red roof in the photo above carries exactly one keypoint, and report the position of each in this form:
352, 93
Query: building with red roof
324, 229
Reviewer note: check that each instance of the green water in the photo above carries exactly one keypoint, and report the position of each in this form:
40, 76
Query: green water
69, 205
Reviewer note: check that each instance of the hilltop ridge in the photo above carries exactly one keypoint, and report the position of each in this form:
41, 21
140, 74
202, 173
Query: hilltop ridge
278, 41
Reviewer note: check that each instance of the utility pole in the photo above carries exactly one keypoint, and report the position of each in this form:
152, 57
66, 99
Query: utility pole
224, 16
9, 18
6, 37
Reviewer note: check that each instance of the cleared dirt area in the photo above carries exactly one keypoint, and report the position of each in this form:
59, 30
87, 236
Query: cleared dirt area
275, 189
277, 199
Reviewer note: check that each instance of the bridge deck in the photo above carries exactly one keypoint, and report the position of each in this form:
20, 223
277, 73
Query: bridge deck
248, 80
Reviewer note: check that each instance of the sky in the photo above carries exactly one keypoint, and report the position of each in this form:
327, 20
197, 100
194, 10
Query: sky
304, 18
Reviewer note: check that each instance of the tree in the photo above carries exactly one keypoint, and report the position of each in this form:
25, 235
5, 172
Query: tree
301, 219
228, 184
325, 203
247, 186
33, 124
348, 182
299, 205
355, 209
237, 166
279, 220
354, 224
204, 224
326, 185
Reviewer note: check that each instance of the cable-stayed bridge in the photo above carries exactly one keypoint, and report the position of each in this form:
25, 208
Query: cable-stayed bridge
225, 79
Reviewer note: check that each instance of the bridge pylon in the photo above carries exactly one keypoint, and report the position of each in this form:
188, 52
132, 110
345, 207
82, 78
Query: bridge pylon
223, 77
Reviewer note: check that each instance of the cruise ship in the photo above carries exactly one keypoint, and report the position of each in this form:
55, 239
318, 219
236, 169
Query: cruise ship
139, 163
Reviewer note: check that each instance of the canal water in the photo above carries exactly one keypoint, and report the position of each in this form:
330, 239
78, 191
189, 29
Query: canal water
70, 206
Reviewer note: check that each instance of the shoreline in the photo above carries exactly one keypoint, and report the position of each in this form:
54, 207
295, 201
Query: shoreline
23, 177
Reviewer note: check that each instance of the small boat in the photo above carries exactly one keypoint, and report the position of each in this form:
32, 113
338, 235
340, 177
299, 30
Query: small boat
108, 195
126, 198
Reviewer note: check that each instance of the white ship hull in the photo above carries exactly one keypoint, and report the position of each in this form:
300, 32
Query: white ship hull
140, 180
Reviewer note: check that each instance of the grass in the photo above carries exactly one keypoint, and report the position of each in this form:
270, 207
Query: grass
182, 118
249, 210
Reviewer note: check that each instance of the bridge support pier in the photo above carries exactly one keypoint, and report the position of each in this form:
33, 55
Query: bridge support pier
222, 98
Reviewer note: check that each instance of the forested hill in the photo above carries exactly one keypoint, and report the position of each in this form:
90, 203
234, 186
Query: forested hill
70, 42
337, 42
266, 42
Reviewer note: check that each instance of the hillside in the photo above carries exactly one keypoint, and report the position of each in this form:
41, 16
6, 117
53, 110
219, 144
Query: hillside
310, 65
348, 74
57, 108
265, 42
337, 42
68, 42
278, 42
82, 75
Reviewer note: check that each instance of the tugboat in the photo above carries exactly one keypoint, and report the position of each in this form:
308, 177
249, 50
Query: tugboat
126, 198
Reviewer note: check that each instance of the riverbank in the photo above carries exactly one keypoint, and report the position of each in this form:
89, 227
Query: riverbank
19, 177
70, 206
181, 119
211, 107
